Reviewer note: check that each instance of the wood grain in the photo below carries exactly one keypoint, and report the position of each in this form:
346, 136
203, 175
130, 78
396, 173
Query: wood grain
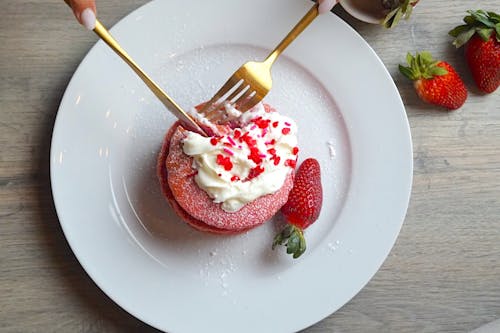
443, 274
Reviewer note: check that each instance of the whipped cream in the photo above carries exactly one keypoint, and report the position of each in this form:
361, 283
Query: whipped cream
247, 162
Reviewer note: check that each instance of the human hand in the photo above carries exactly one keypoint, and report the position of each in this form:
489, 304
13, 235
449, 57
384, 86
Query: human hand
326, 5
85, 12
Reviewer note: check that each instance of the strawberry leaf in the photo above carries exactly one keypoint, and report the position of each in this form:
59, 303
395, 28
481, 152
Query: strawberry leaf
407, 72
484, 33
464, 37
405, 5
280, 238
494, 17
293, 244
389, 19
409, 58
458, 30
422, 65
295, 241
482, 22
409, 10
397, 17
469, 20
398, 9
302, 247
438, 71
425, 57
482, 17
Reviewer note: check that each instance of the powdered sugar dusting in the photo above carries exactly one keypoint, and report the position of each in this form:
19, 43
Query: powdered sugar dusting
155, 226
331, 149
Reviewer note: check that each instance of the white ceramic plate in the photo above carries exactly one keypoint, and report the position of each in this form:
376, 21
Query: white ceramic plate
109, 130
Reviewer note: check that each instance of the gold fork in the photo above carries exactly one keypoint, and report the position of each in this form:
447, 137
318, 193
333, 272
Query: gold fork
169, 103
252, 81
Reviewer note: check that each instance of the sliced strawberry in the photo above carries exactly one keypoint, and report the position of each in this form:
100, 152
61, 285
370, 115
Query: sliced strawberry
302, 208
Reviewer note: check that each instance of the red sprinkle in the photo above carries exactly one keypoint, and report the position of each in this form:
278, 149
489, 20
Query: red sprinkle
243, 137
291, 163
261, 123
213, 141
275, 124
248, 140
295, 150
272, 151
276, 160
237, 134
235, 178
225, 162
285, 130
254, 172
255, 155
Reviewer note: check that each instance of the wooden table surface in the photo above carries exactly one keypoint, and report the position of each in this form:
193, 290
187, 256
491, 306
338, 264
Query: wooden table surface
443, 274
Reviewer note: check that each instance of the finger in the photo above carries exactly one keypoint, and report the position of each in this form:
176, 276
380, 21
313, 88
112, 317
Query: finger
326, 5
85, 12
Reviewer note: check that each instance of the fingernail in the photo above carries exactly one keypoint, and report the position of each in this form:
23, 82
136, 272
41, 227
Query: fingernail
326, 6
88, 19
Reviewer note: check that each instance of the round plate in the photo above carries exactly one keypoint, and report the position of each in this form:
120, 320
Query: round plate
109, 130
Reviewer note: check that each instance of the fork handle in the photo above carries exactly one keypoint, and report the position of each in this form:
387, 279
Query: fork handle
170, 104
104, 34
290, 37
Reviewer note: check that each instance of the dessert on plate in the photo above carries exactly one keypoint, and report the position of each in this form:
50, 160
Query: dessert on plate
234, 181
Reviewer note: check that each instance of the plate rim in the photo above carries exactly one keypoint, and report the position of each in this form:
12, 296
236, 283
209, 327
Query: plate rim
57, 202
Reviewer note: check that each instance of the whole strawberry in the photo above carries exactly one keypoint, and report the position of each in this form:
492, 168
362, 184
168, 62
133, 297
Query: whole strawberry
396, 10
302, 208
436, 82
481, 36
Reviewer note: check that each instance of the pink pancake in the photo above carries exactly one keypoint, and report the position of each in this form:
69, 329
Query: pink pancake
163, 177
194, 205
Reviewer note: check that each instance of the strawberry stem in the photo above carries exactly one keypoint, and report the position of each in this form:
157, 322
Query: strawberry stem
294, 238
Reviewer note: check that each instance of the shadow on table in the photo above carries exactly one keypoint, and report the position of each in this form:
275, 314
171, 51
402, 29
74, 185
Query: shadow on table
106, 314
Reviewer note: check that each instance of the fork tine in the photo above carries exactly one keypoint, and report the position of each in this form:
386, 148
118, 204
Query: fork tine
241, 88
208, 107
214, 110
230, 83
245, 94
255, 75
216, 114
244, 97
250, 103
